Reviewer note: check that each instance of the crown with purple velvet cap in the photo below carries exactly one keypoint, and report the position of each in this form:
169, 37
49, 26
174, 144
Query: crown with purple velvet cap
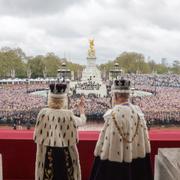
121, 86
58, 90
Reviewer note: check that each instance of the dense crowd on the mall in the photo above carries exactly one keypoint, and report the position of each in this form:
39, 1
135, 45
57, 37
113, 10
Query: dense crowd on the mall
163, 80
19, 106
89, 85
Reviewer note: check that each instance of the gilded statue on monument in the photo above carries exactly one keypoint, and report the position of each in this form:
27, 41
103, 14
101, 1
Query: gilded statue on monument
91, 51
91, 43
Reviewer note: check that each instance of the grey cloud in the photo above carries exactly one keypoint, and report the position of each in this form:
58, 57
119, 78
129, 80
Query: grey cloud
149, 27
34, 7
64, 33
158, 13
114, 3
60, 30
161, 13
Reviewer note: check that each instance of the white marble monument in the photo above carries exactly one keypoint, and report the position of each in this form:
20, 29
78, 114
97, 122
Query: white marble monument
91, 72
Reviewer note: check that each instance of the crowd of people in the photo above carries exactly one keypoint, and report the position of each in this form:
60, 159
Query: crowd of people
162, 108
159, 80
95, 107
89, 85
18, 105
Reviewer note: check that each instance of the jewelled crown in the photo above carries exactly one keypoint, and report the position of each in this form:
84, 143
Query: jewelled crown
121, 85
59, 88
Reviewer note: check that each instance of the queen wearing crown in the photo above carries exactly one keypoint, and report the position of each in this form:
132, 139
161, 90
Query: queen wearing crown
56, 137
123, 148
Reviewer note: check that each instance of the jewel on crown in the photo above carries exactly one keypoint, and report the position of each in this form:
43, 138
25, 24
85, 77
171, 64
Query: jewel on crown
58, 88
122, 84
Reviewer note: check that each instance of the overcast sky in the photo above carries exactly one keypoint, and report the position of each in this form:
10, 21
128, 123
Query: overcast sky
150, 27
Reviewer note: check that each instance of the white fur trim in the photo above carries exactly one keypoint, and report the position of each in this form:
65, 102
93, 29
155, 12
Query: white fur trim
76, 164
40, 158
120, 91
111, 145
56, 128
58, 96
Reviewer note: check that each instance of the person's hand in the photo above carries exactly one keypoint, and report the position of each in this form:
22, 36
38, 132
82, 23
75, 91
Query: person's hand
81, 105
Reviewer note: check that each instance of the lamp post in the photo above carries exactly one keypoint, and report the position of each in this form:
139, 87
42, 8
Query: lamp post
28, 78
27, 85
45, 72
132, 99
63, 73
155, 88
115, 71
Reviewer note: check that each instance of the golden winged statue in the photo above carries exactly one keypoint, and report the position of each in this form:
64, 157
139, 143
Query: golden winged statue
91, 51
91, 43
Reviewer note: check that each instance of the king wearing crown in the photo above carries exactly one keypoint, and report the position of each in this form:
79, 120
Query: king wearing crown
123, 147
56, 137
